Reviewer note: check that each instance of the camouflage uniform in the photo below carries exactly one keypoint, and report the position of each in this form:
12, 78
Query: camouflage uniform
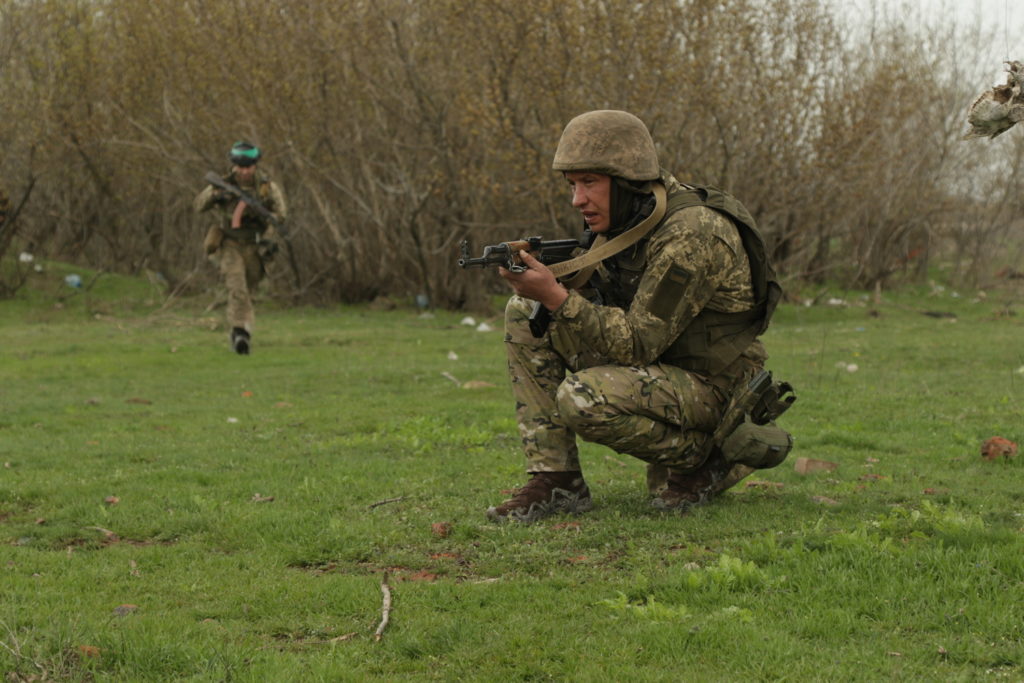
242, 252
658, 356
624, 391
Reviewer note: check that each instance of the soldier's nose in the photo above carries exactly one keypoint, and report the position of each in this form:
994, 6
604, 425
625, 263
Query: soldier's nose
578, 197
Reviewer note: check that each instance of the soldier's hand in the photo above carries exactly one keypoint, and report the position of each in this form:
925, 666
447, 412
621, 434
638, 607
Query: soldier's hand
537, 282
221, 196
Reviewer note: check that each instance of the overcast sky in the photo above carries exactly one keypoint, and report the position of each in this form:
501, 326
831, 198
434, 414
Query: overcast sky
1004, 18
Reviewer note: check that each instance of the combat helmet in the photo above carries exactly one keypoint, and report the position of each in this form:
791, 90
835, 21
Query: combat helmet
606, 141
244, 154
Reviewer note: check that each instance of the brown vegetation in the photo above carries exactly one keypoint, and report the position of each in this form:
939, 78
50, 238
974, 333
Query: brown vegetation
398, 128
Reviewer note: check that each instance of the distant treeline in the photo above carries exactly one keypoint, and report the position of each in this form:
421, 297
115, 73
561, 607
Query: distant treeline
398, 128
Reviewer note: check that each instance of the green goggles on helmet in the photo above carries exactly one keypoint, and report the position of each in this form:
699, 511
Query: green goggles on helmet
244, 154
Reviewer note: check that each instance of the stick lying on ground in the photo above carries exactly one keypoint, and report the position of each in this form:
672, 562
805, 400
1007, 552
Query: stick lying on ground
386, 501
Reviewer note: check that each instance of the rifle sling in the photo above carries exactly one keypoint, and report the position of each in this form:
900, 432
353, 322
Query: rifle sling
604, 248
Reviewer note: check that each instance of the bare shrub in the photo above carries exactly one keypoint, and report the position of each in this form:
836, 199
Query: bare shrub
399, 128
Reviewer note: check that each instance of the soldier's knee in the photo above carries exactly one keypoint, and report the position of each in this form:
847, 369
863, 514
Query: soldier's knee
517, 311
581, 404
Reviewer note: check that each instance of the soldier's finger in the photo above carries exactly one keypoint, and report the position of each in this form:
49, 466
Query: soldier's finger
528, 259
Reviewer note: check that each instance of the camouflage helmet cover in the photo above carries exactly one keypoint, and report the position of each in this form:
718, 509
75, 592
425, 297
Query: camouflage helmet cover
606, 141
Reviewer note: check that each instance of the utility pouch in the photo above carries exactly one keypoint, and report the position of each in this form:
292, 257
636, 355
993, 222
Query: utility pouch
748, 434
760, 446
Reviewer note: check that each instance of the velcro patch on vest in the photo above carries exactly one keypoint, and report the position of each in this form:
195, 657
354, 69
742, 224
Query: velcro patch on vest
669, 292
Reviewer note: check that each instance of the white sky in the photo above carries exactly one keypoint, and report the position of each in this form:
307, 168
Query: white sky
1004, 19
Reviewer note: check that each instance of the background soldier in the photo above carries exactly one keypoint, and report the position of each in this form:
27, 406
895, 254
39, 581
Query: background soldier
662, 345
243, 241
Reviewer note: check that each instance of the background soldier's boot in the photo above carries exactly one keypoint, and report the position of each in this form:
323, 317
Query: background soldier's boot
240, 341
695, 487
546, 493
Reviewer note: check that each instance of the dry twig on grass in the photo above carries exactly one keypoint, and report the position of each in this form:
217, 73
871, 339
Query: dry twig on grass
615, 460
386, 501
385, 609
107, 533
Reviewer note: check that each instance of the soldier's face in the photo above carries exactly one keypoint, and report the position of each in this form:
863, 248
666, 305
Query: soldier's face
245, 174
591, 194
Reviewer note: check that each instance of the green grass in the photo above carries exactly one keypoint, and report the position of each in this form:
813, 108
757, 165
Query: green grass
904, 563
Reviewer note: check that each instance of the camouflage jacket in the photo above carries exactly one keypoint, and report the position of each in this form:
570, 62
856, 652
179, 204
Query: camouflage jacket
254, 227
693, 261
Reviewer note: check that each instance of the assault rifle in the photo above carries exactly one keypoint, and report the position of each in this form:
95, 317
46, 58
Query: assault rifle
506, 254
257, 206
250, 201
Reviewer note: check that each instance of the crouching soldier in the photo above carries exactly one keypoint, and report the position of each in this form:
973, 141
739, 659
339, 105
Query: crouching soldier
242, 241
656, 354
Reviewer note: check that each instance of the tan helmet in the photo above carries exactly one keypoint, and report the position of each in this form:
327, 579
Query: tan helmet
607, 141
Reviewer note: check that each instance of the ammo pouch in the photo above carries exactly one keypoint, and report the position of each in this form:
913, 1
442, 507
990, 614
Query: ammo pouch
748, 434
757, 446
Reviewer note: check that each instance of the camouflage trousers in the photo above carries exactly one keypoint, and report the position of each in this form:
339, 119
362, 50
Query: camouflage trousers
242, 270
658, 413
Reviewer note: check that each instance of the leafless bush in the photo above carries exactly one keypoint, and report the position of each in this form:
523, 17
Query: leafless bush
399, 128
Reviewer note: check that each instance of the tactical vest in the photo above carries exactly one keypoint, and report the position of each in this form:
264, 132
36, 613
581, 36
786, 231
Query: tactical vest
712, 340
252, 225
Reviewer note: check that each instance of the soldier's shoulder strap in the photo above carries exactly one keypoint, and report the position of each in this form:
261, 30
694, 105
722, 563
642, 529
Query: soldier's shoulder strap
712, 198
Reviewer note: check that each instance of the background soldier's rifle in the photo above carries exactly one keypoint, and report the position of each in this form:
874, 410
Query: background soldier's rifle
263, 212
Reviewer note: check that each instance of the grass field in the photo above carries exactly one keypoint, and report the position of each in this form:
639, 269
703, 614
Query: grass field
169, 510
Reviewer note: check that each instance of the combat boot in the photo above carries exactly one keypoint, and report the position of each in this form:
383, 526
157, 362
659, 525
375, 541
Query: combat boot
546, 493
240, 341
686, 489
